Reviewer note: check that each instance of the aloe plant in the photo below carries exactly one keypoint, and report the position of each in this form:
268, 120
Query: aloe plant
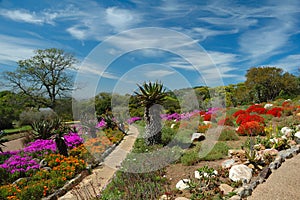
43, 129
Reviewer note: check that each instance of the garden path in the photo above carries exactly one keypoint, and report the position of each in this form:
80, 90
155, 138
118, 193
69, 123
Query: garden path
100, 177
13, 145
283, 184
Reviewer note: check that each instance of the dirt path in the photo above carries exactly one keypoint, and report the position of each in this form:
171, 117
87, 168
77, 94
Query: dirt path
100, 177
283, 184
13, 145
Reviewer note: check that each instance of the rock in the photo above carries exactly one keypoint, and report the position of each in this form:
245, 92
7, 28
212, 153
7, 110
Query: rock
182, 198
275, 165
197, 137
207, 122
226, 189
297, 136
163, 197
43, 163
227, 163
173, 125
268, 105
286, 130
251, 166
272, 152
236, 152
240, 172
235, 197
183, 184
265, 173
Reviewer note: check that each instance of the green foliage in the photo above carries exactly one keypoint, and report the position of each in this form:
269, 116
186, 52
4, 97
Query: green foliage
228, 134
135, 186
219, 151
10, 108
103, 103
43, 129
267, 83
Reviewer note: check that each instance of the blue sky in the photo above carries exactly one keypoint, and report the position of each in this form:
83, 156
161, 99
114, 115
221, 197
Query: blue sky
182, 43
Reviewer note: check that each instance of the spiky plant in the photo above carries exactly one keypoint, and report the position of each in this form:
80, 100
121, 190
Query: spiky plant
151, 96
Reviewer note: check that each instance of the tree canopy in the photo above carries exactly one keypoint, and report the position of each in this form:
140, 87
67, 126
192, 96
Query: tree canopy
267, 83
43, 77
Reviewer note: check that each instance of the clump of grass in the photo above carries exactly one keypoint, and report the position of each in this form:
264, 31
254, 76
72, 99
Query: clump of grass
228, 134
126, 185
191, 156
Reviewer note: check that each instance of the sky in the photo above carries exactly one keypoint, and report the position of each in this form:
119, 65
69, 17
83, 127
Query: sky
180, 43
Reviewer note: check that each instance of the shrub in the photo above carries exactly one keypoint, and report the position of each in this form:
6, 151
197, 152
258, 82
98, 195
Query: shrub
228, 134
276, 112
251, 128
219, 151
226, 122
243, 118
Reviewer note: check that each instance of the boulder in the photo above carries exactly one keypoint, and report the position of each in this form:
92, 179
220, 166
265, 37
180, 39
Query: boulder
227, 163
297, 137
197, 137
181, 198
183, 184
286, 130
240, 172
225, 189
268, 105
236, 152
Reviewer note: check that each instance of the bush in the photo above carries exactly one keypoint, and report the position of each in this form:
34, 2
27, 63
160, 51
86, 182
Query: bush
219, 151
228, 134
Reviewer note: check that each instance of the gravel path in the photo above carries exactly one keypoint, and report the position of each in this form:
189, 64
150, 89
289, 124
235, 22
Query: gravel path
283, 184
100, 177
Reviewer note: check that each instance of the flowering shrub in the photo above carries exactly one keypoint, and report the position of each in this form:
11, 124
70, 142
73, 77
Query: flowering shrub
226, 122
276, 112
257, 108
73, 140
203, 128
207, 117
40, 145
17, 163
251, 128
133, 119
243, 118
239, 112
101, 124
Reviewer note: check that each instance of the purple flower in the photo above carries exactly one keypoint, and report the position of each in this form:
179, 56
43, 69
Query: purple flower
101, 124
73, 140
40, 145
133, 119
17, 163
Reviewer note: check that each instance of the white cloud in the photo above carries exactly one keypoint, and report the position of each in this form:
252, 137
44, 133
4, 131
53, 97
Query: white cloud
158, 73
14, 48
289, 63
120, 19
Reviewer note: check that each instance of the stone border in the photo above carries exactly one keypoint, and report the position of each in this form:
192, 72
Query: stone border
247, 189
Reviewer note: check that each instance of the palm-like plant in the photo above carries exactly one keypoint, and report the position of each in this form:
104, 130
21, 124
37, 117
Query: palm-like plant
150, 96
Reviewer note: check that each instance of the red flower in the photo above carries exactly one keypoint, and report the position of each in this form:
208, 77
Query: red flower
276, 112
251, 128
257, 108
239, 112
207, 117
248, 118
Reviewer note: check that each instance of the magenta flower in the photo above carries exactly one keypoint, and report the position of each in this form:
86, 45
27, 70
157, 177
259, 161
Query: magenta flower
101, 124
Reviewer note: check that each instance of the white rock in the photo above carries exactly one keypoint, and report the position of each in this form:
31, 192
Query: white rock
240, 172
268, 105
183, 184
182, 198
207, 122
286, 130
227, 163
226, 189
297, 134
172, 125
197, 137
163, 197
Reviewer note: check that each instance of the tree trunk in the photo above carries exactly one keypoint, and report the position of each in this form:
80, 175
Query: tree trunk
153, 125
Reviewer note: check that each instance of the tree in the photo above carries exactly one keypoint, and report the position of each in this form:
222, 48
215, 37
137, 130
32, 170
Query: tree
151, 96
43, 77
266, 83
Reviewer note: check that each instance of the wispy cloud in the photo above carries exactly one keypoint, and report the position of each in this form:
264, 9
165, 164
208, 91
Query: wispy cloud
289, 63
22, 15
